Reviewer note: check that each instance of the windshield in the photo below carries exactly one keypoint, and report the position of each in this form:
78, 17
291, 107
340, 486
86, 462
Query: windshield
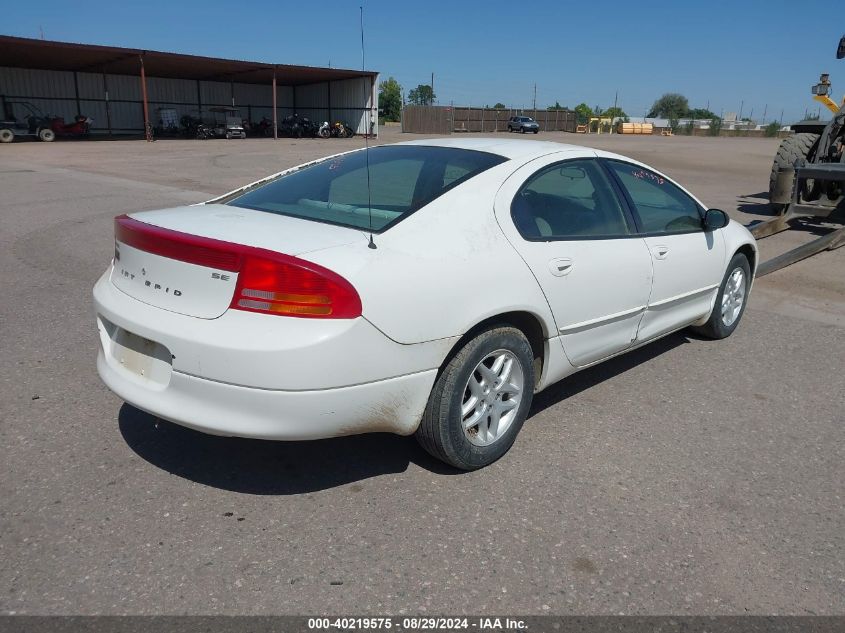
402, 179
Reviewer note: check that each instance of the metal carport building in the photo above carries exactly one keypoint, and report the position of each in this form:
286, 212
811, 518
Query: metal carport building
116, 86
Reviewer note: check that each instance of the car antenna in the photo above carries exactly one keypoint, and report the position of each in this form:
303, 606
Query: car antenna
372, 244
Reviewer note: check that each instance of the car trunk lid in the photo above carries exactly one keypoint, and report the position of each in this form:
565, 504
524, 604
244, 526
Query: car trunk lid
187, 259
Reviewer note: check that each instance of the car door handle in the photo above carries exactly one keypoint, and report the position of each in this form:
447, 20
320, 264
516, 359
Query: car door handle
561, 266
660, 252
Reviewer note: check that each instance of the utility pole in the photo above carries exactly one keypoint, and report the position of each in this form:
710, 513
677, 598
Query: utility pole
535, 98
781, 118
615, 99
765, 109
432, 89
742, 103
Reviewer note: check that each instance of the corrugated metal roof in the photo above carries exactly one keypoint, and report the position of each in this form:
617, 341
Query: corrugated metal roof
21, 52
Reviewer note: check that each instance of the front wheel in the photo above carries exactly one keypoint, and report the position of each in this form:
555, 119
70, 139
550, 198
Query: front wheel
6, 135
480, 400
731, 300
47, 135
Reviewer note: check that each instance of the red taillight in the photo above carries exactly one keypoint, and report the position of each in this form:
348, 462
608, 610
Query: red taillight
268, 282
280, 284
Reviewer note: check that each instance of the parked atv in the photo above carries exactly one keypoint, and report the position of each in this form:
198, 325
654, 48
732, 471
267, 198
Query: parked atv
81, 126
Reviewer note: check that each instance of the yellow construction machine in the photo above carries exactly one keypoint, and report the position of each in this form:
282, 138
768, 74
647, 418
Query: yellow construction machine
807, 182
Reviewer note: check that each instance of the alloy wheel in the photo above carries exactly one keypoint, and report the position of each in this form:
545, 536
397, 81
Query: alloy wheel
491, 397
733, 297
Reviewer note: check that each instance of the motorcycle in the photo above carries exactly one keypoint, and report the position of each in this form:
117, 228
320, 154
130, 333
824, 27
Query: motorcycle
309, 128
295, 126
80, 126
204, 131
195, 128
263, 128
325, 130
339, 129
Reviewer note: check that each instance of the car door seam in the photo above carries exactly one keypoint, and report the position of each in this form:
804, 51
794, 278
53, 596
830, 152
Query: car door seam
568, 329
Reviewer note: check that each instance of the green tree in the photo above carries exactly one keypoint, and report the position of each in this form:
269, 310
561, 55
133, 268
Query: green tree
674, 124
701, 113
500, 106
772, 128
583, 112
670, 106
715, 126
390, 99
557, 106
614, 113
422, 95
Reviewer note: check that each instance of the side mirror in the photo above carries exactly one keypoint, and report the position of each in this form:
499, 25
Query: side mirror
715, 219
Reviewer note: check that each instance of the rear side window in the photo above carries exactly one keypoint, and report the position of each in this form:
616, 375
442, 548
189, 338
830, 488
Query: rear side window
569, 200
402, 179
662, 207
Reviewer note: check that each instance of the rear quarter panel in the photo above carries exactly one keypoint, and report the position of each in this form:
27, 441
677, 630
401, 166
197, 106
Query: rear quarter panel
442, 270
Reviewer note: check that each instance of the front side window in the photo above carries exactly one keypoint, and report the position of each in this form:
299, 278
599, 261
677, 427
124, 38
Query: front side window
401, 179
662, 207
569, 200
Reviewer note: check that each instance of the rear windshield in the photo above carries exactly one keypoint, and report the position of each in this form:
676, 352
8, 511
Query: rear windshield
402, 179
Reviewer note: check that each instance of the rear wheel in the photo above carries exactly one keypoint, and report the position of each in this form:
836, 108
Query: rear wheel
731, 300
480, 400
47, 135
6, 135
793, 148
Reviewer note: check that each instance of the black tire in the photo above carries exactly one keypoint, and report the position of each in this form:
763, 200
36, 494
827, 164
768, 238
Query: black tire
441, 431
522, 130
7, 135
715, 327
47, 135
792, 148
535, 131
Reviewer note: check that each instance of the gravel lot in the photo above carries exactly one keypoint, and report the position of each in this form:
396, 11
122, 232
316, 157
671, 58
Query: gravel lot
688, 477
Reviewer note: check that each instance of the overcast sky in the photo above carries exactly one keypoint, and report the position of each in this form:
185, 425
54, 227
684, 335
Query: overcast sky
754, 55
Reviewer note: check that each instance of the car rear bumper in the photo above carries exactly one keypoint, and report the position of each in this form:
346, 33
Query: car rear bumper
262, 376
394, 405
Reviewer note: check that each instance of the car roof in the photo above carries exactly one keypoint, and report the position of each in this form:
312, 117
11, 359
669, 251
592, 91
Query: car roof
509, 148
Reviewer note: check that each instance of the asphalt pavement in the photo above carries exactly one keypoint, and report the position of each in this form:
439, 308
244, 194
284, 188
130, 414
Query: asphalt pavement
687, 477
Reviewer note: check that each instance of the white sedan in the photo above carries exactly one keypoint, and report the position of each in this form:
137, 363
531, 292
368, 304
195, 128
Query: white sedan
426, 288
